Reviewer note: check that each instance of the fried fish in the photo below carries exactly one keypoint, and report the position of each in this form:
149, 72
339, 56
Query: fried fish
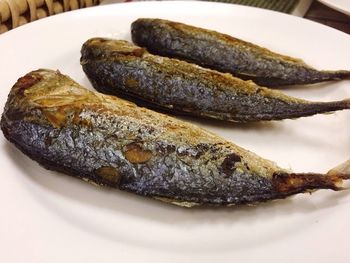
226, 54
112, 142
120, 68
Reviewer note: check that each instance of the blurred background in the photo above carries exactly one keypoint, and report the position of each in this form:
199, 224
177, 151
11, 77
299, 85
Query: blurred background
333, 13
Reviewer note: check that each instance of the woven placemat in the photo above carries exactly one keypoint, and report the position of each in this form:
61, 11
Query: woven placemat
14, 13
285, 6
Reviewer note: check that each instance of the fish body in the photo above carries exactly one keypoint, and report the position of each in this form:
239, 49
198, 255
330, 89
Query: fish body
112, 142
120, 68
226, 54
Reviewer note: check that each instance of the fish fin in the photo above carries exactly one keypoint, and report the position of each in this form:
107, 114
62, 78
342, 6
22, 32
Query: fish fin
342, 171
176, 202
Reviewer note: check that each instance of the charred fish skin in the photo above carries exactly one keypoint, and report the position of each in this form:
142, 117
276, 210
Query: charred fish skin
226, 54
109, 141
120, 68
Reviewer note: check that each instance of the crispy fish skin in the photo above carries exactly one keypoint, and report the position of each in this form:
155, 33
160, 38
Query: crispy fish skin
112, 142
120, 68
226, 54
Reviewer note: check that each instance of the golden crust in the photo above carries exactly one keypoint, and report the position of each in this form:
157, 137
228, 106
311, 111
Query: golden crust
46, 96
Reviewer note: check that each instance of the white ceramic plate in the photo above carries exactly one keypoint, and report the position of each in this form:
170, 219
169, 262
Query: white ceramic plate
340, 5
50, 217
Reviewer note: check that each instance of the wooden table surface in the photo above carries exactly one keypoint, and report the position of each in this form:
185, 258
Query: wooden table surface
325, 15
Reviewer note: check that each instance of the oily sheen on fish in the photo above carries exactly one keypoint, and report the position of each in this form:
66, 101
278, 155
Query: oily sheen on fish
226, 54
112, 142
120, 68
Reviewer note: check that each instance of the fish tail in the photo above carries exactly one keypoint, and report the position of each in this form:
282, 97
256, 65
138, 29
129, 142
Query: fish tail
290, 183
338, 75
341, 171
347, 103
313, 108
326, 107
343, 104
